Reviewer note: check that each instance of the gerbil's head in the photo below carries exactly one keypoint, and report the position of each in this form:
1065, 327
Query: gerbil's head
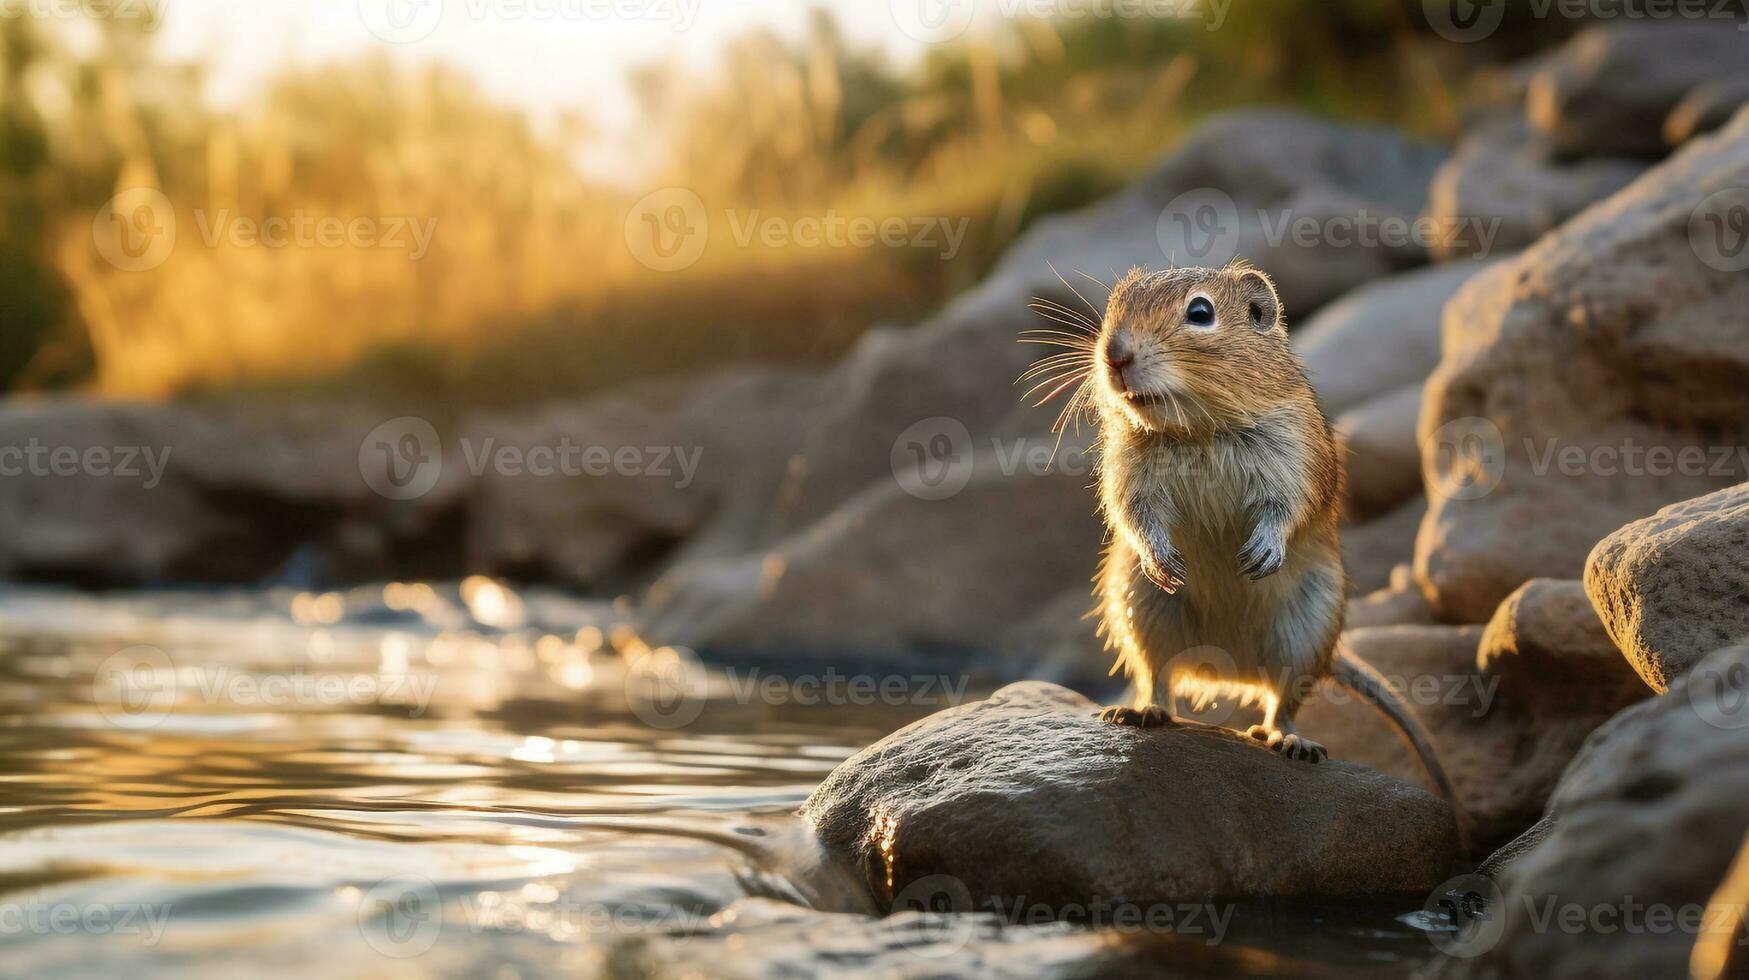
1193, 351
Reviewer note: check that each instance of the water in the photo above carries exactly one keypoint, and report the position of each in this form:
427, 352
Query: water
462, 780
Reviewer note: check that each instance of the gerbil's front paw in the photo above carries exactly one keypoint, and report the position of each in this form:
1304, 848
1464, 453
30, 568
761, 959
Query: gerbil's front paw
1165, 570
1263, 555
1153, 716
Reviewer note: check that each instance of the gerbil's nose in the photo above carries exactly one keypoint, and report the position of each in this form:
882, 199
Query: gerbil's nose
1117, 357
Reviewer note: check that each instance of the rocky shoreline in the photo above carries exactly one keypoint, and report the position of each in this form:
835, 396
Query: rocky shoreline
1548, 527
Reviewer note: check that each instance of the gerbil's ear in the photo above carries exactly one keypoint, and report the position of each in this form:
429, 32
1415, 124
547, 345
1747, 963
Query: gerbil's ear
1262, 303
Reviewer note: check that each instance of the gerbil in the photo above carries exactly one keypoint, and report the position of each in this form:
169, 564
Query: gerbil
1220, 484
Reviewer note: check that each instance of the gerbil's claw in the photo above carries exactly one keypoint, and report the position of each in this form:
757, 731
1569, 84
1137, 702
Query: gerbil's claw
1168, 573
1299, 748
1262, 556
1152, 716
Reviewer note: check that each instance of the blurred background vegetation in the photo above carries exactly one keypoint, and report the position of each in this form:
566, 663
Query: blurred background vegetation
529, 291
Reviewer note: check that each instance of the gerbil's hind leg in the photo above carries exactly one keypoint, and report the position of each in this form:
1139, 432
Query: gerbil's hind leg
1279, 733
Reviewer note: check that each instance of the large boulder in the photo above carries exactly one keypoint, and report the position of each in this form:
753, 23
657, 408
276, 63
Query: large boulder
1029, 795
1583, 386
1505, 187
1380, 337
1610, 89
1672, 587
1643, 829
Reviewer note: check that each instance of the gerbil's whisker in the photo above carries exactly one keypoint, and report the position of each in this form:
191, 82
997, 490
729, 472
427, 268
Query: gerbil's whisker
1043, 304
1053, 363
1073, 379
1094, 280
1081, 330
1077, 292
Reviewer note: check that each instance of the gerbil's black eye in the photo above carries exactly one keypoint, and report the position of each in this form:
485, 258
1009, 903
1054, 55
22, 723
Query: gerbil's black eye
1200, 313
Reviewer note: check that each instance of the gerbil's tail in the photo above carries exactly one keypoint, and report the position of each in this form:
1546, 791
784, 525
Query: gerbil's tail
1359, 676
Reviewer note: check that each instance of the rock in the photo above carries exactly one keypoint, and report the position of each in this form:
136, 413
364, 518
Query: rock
1399, 603
1029, 795
1505, 187
890, 576
706, 458
1648, 816
1707, 107
126, 494
1722, 953
1552, 654
1372, 549
1671, 588
1502, 755
1583, 385
1380, 454
1610, 89
1379, 338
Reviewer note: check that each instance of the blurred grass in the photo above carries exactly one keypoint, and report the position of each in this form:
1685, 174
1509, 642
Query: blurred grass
529, 291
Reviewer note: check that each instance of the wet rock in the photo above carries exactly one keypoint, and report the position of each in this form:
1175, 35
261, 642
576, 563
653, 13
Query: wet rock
1030, 795
1583, 386
1372, 549
1649, 816
1398, 603
1505, 187
1503, 756
1610, 89
1553, 656
1672, 587
1380, 455
1380, 337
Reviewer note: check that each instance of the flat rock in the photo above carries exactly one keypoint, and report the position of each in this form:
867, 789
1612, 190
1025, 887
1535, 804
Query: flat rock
1553, 655
1029, 794
1398, 603
1674, 587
